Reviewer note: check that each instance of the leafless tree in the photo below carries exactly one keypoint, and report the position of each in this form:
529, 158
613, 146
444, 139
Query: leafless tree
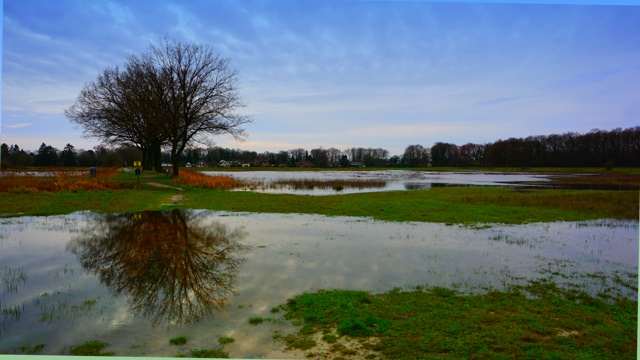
174, 95
201, 95
415, 155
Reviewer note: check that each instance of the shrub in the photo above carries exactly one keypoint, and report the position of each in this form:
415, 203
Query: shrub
196, 179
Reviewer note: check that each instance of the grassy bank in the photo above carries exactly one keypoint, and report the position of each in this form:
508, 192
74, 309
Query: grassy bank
549, 323
443, 205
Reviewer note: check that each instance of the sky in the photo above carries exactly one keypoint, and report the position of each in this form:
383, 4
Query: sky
342, 73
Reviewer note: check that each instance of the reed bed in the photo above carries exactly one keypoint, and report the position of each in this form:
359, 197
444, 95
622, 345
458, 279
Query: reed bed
328, 184
197, 179
78, 180
602, 179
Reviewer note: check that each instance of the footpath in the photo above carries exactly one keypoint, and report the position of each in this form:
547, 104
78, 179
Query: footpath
175, 199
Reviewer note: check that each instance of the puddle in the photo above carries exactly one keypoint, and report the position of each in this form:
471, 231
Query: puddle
136, 280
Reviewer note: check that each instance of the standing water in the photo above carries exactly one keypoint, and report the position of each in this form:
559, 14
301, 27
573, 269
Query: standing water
135, 280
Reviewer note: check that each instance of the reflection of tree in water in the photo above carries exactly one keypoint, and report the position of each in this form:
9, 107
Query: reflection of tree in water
174, 269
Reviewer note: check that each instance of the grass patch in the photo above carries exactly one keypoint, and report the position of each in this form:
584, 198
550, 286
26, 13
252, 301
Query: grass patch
178, 340
255, 320
224, 340
442, 205
209, 353
91, 348
29, 350
535, 321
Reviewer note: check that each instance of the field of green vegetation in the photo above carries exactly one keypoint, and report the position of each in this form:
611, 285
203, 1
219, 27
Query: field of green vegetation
538, 321
465, 205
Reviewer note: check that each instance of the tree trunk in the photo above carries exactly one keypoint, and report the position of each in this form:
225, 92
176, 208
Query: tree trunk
144, 157
157, 158
175, 159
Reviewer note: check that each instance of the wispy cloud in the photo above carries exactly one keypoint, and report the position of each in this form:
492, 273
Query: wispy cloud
17, 126
345, 73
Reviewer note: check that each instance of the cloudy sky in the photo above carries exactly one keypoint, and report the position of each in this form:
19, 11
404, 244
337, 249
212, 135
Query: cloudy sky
343, 73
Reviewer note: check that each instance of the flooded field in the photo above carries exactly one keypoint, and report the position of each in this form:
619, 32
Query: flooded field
346, 182
136, 280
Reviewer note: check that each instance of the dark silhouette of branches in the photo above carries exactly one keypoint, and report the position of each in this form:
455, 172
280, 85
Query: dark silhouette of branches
173, 269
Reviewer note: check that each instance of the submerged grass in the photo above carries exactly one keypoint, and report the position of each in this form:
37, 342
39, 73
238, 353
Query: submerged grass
328, 184
209, 353
91, 348
538, 321
178, 340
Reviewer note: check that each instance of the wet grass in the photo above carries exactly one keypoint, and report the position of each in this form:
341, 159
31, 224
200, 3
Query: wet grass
224, 340
31, 350
178, 340
537, 321
91, 348
209, 353
444, 205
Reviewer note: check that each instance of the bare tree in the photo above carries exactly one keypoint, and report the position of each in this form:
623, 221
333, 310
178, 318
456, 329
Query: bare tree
201, 95
119, 109
174, 95
415, 156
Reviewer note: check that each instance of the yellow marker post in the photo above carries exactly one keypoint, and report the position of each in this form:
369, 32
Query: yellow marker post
137, 164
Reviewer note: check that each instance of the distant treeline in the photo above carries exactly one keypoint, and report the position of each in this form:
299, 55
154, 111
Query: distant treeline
596, 148
47, 155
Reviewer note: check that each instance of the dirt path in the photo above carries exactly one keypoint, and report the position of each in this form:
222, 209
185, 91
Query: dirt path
175, 199
153, 183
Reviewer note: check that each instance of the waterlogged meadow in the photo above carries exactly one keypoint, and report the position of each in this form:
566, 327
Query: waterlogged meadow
349, 182
195, 283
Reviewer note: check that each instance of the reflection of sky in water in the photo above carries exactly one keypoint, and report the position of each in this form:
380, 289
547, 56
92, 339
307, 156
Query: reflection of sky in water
262, 181
287, 255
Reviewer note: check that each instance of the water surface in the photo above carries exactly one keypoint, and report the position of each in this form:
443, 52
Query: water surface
135, 280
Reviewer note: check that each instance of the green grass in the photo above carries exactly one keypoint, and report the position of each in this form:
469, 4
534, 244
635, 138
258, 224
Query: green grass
27, 349
178, 340
209, 353
91, 348
255, 320
224, 340
538, 321
442, 205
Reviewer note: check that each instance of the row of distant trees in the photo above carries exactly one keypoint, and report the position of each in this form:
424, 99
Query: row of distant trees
320, 157
14, 157
596, 148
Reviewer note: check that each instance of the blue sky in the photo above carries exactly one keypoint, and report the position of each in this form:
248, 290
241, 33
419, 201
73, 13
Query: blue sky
337, 73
